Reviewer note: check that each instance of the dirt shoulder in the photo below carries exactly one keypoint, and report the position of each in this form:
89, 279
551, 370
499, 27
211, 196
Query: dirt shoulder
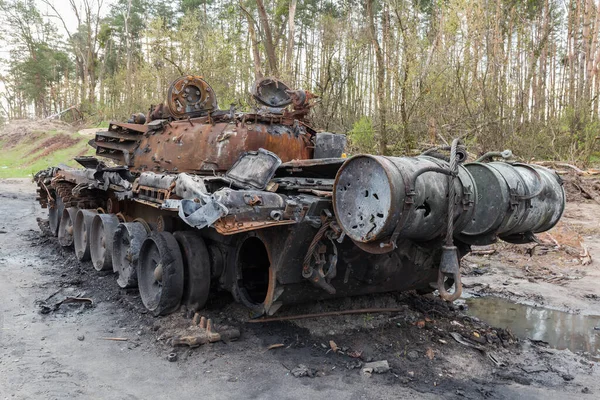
62, 354
553, 274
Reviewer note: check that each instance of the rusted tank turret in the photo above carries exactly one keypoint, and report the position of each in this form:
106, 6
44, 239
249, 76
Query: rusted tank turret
264, 206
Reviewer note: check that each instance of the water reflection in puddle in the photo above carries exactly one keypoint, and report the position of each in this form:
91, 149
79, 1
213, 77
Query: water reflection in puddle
560, 329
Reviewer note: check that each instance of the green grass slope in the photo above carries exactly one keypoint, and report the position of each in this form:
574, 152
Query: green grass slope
29, 146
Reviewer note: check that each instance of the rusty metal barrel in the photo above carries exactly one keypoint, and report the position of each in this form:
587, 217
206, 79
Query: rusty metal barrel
514, 200
375, 196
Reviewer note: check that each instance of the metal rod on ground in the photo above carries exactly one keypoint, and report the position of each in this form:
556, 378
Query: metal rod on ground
328, 314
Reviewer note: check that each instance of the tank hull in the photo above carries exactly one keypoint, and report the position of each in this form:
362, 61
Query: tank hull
261, 205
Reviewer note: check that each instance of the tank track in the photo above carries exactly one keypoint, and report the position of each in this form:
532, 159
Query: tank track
65, 191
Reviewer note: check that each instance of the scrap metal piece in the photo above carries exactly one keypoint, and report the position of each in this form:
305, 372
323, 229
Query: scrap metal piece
114, 178
46, 308
254, 169
158, 181
205, 333
202, 213
89, 162
190, 187
253, 210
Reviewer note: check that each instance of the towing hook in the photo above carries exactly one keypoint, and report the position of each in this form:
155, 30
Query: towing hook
449, 268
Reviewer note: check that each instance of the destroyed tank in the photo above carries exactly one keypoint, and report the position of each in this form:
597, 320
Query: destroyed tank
260, 204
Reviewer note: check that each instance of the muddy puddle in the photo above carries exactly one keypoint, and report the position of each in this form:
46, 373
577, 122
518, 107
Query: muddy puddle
561, 330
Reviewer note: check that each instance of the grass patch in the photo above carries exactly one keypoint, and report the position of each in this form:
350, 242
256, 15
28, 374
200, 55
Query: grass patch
38, 151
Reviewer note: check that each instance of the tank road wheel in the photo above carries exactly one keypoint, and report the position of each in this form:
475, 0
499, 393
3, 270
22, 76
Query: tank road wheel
55, 214
81, 233
127, 241
160, 273
65, 229
101, 241
196, 269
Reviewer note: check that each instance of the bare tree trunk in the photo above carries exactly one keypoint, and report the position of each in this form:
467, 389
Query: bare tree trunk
269, 47
255, 51
290, 40
381, 106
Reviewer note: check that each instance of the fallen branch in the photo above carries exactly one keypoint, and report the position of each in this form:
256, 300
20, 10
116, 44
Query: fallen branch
482, 252
585, 192
114, 339
564, 165
327, 314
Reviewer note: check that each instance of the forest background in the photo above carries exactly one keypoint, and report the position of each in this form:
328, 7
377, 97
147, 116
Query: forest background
392, 74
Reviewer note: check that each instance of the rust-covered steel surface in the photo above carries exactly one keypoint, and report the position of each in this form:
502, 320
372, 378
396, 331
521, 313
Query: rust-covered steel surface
262, 205
188, 146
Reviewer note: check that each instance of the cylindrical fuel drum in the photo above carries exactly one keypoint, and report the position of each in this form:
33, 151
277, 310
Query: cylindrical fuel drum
375, 195
513, 199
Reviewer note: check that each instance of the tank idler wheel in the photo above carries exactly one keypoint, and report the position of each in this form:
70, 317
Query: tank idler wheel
196, 269
160, 273
81, 233
55, 214
65, 229
101, 241
127, 241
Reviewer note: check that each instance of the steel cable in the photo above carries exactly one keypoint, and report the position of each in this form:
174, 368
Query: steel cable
452, 192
